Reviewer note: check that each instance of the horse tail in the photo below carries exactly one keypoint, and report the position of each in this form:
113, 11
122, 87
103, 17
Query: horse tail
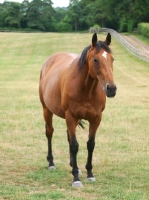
81, 124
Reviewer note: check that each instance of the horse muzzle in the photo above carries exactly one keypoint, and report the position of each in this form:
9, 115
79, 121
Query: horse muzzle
111, 90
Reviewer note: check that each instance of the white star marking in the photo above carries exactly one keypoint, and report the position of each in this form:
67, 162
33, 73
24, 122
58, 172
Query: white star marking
104, 55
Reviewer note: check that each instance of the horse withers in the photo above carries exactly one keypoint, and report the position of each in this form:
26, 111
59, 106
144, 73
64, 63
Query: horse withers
74, 87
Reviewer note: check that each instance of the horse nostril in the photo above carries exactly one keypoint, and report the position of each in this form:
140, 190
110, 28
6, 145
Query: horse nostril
108, 87
111, 87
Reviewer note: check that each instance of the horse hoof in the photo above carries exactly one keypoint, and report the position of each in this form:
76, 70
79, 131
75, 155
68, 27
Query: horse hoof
90, 179
51, 167
79, 172
77, 184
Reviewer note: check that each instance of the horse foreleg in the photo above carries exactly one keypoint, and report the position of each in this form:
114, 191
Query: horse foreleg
73, 147
69, 150
90, 147
71, 158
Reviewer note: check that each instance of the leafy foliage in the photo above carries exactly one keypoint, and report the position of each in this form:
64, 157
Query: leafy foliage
143, 28
121, 15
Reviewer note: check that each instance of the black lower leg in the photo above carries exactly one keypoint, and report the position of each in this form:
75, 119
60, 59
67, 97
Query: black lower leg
49, 156
69, 150
90, 148
74, 147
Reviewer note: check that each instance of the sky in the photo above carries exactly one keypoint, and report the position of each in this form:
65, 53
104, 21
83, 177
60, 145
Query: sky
56, 3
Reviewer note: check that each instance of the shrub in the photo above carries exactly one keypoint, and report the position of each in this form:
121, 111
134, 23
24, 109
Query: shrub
143, 28
96, 26
63, 27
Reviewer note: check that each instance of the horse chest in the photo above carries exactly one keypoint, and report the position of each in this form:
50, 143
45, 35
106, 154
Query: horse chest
85, 110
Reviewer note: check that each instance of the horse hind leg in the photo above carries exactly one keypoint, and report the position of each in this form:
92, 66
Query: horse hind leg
49, 133
69, 150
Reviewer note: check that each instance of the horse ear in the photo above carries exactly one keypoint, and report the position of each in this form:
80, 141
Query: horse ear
94, 40
108, 39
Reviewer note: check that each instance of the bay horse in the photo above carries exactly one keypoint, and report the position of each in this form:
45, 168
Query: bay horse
74, 87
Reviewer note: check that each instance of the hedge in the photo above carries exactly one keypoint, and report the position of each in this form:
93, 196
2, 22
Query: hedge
143, 28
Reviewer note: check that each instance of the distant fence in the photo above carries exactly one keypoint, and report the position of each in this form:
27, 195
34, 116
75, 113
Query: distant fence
94, 30
138, 53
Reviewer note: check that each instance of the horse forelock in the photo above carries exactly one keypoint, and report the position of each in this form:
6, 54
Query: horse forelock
99, 45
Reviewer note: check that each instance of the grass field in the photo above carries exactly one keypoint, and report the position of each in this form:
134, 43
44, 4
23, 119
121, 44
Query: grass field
121, 156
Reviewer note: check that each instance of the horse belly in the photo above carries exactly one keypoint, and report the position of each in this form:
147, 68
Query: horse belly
52, 97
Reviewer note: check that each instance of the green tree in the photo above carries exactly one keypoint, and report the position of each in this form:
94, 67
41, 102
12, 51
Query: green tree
74, 13
39, 15
13, 14
47, 12
60, 23
24, 8
33, 15
3, 15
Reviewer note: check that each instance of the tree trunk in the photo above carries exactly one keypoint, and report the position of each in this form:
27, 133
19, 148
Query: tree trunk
76, 24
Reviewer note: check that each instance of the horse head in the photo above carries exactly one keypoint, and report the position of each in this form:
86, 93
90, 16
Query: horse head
100, 64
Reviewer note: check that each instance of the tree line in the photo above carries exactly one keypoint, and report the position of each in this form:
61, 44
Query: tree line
80, 15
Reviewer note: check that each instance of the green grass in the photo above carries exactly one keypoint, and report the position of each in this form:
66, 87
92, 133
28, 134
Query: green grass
121, 164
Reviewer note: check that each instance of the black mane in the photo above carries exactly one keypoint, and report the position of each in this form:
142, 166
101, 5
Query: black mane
99, 45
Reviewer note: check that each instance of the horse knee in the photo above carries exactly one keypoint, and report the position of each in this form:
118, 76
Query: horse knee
90, 145
49, 131
74, 147
68, 137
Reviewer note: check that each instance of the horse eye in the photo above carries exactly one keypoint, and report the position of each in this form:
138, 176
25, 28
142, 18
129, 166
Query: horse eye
95, 60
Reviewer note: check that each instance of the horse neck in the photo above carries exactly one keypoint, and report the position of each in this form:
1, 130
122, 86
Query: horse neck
87, 83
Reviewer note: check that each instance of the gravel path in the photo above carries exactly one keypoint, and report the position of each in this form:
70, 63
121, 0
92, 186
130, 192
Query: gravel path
136, 43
